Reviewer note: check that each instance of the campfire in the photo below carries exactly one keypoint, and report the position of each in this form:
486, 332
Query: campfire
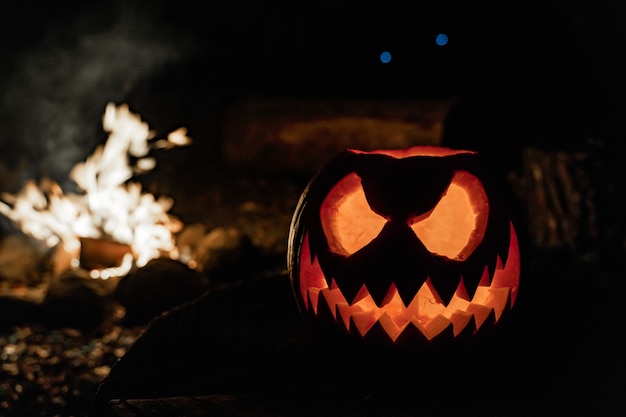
111, 225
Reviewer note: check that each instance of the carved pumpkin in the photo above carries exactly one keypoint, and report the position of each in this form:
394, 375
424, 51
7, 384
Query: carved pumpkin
413, 244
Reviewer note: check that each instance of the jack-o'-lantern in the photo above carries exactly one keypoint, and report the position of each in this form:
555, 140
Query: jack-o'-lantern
413, 244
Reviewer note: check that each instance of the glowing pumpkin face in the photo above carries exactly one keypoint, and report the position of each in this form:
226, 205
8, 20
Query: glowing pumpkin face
409, 244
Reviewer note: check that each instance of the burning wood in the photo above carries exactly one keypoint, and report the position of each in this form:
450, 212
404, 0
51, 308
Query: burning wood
110, 207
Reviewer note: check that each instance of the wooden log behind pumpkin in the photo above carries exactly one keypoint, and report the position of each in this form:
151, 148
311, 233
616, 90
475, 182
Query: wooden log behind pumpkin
298, 136
556, 189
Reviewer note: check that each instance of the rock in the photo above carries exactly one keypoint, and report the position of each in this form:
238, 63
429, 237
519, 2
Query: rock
16, 312
21, 260
74, 300
160, 285
225, 254
187, 242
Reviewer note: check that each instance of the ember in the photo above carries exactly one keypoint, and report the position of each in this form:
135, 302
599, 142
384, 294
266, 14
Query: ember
110, 207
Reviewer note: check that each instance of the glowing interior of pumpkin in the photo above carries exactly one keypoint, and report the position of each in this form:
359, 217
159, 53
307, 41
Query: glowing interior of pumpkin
427, 312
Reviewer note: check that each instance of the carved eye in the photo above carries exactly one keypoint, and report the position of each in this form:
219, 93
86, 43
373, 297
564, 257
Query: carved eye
347, 219
457, 224
453, 228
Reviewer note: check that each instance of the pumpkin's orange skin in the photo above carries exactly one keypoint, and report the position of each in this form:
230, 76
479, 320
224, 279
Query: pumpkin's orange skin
397, 286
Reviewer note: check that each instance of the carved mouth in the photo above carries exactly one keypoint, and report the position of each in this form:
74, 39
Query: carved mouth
426, 311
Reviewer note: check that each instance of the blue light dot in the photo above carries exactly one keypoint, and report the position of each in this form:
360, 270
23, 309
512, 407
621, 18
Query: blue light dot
441, 39
385, 57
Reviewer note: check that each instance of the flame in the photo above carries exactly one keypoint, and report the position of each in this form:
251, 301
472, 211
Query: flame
109, 206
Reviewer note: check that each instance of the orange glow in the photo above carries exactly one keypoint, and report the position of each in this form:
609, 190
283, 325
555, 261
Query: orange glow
457, 224
348, 218
427, 312
454, 228
415, 151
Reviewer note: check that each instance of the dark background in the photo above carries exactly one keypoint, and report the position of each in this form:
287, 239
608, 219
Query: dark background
548, 72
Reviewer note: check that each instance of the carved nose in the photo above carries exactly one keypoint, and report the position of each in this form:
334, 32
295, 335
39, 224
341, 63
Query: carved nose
395, 256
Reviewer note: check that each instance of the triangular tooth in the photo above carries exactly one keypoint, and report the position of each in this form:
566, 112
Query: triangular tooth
468, 331
376, 333
481, 313
313, 296
509, 303
445, 289
407, 290
433, 291
436, 326
324, 311
491, 320
444, 335
361, 295
350, 289
344, 314
474, 277
362, 322
483, 320
378, 291
485, 278
461, 291
392, 327
500, 298
341, 320
460, 321
412, 335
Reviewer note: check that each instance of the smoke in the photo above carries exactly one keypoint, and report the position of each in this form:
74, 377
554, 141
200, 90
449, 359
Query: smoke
55, 90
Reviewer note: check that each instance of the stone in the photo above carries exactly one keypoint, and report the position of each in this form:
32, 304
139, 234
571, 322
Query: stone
22, 260
160, 285
74, 300
225, 254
